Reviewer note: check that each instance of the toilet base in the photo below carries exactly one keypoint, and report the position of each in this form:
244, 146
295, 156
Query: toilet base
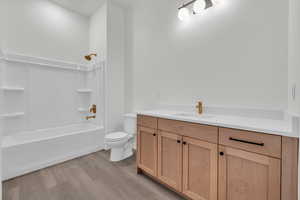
118, 154
120, 150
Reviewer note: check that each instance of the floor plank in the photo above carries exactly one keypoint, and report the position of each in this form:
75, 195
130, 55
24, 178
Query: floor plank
91, 177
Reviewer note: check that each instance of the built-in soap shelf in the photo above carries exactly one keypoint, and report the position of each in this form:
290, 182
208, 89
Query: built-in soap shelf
12, 115
12, 89
85, 90
83, 109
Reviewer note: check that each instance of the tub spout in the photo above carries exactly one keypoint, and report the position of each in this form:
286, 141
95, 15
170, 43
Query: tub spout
91, 117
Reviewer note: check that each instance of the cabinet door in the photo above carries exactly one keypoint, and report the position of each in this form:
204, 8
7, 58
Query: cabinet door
248, 176
147, 150
200, 169
170, 159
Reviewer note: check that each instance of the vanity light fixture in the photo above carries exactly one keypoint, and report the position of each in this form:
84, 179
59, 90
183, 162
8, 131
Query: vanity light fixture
184, 14
198, 7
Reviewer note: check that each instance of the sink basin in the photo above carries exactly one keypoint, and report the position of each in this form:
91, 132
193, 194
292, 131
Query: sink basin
203, 116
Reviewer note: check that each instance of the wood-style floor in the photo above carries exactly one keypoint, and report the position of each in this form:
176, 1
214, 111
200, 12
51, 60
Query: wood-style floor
91, 177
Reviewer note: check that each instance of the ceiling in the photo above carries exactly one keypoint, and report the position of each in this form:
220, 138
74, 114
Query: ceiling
85, 7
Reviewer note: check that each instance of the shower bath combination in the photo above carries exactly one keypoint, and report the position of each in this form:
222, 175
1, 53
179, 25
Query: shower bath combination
29, 84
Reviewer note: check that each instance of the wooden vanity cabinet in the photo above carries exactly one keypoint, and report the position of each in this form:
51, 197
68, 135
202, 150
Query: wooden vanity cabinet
187, 156
203, 162
197, 152
147, 144
249, 165
244, 174
200, 169
147, 150
170, 159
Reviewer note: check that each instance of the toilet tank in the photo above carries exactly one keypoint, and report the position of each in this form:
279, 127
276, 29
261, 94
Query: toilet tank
130, 123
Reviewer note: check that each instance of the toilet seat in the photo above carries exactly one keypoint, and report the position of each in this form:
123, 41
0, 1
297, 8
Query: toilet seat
117, 136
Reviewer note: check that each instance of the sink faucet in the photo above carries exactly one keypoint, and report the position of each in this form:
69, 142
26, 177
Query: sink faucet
200, 107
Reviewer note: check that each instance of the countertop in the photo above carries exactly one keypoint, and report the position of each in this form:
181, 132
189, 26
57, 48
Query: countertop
263, 125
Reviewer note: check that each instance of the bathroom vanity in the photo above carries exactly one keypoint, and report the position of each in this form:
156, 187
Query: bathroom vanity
209, 162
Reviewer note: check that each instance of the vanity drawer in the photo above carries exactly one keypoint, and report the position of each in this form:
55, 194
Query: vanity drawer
147, 121
193, 130
251, 141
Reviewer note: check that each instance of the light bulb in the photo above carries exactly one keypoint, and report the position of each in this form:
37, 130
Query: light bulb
215, 2
199, 6
184, 14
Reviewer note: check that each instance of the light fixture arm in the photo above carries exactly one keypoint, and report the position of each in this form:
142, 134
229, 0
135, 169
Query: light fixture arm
208, 4
187, 4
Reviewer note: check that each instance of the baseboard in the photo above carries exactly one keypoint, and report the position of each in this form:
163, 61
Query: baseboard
42, 165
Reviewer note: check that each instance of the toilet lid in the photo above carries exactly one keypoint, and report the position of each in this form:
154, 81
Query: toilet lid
116, 136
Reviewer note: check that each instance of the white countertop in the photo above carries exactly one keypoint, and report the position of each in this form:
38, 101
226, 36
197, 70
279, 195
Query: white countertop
263, 125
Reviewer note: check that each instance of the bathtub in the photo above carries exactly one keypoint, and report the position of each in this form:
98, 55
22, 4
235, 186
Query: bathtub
30, 151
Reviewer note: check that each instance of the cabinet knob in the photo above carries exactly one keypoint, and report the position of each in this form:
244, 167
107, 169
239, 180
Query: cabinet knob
221, 153
178, 141
154, 134
184, 143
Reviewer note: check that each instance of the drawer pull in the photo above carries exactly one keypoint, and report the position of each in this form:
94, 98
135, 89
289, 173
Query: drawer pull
244, 141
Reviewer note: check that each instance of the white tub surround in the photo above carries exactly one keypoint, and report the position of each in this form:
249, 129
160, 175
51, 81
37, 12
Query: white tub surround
1, 55
84, 91
45, 62
42, 148
12, 89
27, 84
1, 121
43, 110
12, 115
276, 124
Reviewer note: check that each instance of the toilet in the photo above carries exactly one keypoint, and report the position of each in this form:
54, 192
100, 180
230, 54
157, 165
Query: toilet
121, 143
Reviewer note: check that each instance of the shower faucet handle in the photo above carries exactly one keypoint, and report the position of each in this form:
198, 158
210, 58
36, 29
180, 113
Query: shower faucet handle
93, 108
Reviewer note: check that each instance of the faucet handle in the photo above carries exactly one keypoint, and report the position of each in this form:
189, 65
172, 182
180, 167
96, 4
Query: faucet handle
199, 104
93, 109
200, 107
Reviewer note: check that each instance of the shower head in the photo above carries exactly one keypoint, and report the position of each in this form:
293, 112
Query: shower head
89, 57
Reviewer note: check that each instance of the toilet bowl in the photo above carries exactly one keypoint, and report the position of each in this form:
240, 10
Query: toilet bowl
121, 143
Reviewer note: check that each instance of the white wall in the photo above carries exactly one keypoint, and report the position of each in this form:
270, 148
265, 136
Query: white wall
98, 32
44, 29
98, 44
115, 66
128, 61
107, 39
294, 63
1, 121
294, 58
236, 54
